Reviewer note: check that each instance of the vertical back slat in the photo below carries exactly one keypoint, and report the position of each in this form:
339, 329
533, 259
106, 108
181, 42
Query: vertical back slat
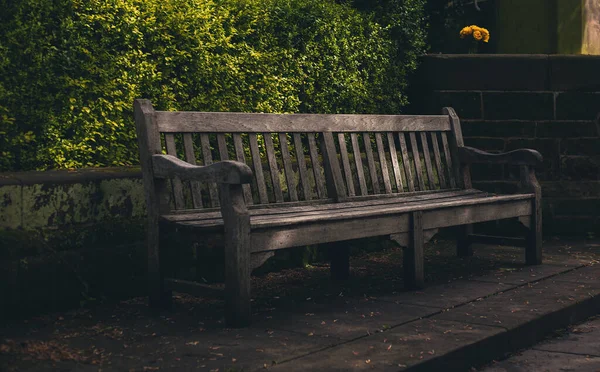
333, 173
239, 154
438, 160
417, 160
371, 163
287, 167
427, 157
306, 189
359, 167
406, 162
273, 169
258, 171
207, 156
346, 164
449, 164
177, 185
314, 159
383, 162
222, 145
395, 163
190, 157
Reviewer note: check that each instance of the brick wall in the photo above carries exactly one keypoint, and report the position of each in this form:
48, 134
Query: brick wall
545, 102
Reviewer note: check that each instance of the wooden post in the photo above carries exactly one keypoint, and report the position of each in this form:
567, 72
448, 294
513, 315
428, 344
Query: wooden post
157, 201
414, 276
339, 254
463, 175
529, 183
237, 255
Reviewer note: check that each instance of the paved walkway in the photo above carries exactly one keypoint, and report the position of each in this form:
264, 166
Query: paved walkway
451, 325
577, 350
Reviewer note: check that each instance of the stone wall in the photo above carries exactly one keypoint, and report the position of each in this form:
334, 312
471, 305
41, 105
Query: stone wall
545, 102
69, 236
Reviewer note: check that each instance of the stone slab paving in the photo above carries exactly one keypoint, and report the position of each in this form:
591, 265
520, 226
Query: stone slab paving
452, 325
578, 350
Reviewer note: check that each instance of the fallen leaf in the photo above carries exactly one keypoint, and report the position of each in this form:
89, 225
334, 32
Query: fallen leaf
368, 361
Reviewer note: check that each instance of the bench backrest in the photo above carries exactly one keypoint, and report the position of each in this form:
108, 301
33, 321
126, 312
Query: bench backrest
306, 157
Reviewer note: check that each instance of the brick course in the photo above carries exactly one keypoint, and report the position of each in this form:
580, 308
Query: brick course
548, 103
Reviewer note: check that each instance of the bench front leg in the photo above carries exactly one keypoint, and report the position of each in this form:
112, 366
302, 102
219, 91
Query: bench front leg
237, 255
414, 273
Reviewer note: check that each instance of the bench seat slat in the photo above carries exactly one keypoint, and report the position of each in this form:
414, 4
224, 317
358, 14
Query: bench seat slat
298, 208
292, 217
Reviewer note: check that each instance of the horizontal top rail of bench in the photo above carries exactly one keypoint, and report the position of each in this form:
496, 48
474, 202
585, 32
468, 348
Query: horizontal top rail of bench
236, 122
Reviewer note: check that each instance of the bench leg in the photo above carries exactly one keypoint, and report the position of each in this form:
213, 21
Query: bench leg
414, 276
339, 254
159, 297
237, 256
533, 249
463, 243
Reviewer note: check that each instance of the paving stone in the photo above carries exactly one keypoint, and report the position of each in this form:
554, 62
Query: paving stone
396, 349
543, 361
448, 295
582, 339
587, 275
347, 321
521, 305
524, 274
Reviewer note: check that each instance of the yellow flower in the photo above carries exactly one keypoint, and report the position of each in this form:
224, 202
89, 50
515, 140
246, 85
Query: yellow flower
479, 33
466, 31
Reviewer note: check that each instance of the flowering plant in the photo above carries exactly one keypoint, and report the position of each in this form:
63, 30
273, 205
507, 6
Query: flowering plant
479, 33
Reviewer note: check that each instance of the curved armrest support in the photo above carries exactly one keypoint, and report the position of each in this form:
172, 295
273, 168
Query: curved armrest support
224, 172
470, 155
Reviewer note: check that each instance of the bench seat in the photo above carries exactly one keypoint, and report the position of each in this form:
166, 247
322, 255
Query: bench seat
278, 216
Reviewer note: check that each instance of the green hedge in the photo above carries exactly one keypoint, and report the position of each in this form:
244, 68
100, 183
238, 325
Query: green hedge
70, 69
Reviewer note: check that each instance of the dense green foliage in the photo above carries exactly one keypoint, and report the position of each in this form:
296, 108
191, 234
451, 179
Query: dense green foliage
70, 69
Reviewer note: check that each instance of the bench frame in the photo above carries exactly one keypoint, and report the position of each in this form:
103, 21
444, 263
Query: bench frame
231, 176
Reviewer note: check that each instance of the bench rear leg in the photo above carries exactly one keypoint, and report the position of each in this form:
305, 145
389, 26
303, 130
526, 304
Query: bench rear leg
414, 275
463, 242
237, 256
339, 254
533, 249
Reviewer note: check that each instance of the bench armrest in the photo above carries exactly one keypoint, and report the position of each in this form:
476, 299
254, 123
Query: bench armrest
470, 155
223, 172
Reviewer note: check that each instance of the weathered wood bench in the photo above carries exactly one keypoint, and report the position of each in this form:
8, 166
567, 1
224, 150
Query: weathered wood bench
275, 181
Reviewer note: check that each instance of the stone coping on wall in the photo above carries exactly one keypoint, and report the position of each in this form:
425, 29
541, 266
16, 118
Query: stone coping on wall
514, 72
69, 176
49, 199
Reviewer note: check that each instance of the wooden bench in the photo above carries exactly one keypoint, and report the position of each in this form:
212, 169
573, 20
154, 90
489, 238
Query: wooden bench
275, 181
